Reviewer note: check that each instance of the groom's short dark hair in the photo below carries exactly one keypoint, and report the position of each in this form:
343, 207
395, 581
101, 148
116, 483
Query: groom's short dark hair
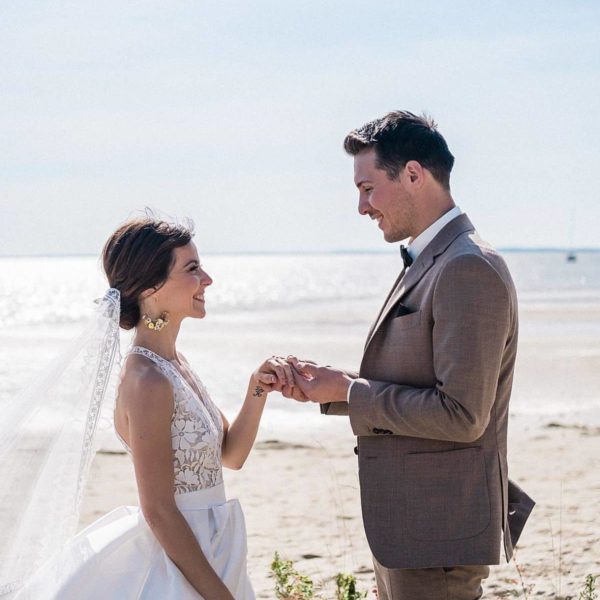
401, 136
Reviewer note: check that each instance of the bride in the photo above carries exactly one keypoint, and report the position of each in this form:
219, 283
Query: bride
186, 541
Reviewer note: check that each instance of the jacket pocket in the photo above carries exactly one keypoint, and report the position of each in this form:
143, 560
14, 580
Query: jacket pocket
406, 321
446, 494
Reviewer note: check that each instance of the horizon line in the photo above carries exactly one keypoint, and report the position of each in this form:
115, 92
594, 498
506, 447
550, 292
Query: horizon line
563, 249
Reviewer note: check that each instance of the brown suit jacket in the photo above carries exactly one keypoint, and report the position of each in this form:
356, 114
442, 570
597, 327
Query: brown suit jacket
430, 409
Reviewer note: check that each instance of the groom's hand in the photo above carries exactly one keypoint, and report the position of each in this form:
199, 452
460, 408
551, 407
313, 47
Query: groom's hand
319, 383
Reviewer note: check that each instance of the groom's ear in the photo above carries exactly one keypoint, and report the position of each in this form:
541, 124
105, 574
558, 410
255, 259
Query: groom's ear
414, 173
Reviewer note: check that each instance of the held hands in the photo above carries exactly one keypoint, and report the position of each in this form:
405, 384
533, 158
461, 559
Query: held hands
320, 383
275, 374
301, 380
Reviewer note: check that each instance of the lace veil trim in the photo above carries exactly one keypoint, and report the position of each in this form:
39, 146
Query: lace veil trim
47, 442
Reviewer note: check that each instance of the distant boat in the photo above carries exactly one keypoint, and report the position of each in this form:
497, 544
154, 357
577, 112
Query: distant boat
571, 256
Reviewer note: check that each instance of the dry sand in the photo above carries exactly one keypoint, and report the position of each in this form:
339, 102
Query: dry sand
299, 488
302, 499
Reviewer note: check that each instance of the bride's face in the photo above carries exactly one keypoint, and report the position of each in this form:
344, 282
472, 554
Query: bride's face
182, 295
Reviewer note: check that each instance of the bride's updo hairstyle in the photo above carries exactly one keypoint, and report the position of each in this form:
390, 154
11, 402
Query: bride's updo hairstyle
138, 256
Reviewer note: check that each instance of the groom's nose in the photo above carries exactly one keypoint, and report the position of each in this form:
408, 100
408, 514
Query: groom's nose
363, 204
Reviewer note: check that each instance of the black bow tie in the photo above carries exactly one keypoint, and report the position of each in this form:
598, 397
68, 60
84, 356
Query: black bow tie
406, 257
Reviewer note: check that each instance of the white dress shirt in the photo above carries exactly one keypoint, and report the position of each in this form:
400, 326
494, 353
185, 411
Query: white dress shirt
420, 242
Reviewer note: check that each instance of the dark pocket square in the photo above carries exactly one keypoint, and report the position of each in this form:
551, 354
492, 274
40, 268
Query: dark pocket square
400, 310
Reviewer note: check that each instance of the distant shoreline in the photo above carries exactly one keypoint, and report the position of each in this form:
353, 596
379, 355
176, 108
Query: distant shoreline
513, 249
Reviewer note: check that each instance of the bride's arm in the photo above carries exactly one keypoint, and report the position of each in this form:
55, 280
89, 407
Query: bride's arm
240, 434
149, 398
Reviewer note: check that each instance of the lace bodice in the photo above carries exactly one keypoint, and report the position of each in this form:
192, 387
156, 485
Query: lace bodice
196, 429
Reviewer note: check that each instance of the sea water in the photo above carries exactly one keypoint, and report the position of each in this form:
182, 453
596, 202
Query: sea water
317, 303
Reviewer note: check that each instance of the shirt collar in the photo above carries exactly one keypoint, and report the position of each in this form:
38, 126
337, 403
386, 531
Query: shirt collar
422, 240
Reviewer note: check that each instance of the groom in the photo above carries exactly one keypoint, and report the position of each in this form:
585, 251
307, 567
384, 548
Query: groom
430, 402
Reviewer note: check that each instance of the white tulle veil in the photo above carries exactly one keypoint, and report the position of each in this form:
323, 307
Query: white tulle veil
47, 442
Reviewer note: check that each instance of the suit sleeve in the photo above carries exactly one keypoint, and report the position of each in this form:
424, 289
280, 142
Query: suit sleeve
471, 323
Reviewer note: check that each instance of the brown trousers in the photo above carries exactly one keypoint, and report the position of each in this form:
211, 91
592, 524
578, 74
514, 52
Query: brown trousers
443, 583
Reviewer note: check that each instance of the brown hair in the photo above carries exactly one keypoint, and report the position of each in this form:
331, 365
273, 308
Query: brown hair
139, 256
401, 136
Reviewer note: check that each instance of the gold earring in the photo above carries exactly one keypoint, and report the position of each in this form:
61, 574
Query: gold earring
156, 324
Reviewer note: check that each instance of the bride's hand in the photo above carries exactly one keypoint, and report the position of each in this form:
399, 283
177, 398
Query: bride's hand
275, 374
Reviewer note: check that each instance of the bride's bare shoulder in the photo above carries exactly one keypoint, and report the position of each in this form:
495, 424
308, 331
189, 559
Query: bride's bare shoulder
142, 382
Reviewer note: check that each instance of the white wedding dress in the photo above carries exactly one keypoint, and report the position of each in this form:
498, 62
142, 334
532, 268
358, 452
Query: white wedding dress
118, 558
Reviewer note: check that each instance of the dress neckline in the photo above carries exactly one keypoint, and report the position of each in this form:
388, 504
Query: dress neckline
197, 394
154, 354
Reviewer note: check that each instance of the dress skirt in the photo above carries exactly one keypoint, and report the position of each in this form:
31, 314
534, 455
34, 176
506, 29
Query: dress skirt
118, 558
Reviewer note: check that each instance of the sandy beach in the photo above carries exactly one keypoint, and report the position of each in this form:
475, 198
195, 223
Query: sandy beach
303, 501
299, 488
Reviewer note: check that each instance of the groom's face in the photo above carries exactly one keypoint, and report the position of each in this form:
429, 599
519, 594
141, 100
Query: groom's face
383, 199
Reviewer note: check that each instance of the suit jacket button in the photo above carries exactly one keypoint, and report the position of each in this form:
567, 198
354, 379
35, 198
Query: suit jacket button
356, 450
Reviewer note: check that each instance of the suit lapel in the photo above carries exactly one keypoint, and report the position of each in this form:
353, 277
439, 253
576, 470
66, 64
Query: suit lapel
402, 287
384, 306
425, 260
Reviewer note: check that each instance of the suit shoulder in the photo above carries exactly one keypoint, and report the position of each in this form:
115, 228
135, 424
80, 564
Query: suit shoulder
470, 260
473, 267
470, 251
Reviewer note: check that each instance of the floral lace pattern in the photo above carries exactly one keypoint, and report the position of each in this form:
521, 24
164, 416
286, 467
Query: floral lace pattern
196, 429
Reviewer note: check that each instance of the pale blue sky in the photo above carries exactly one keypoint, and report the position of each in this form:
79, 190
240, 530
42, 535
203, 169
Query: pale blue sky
233, 113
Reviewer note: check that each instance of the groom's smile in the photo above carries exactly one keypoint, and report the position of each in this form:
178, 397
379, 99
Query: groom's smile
385, 200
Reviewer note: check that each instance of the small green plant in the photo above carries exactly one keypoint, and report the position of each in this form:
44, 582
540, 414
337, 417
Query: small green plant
289, 584
346, 588
292, 585
589, 590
